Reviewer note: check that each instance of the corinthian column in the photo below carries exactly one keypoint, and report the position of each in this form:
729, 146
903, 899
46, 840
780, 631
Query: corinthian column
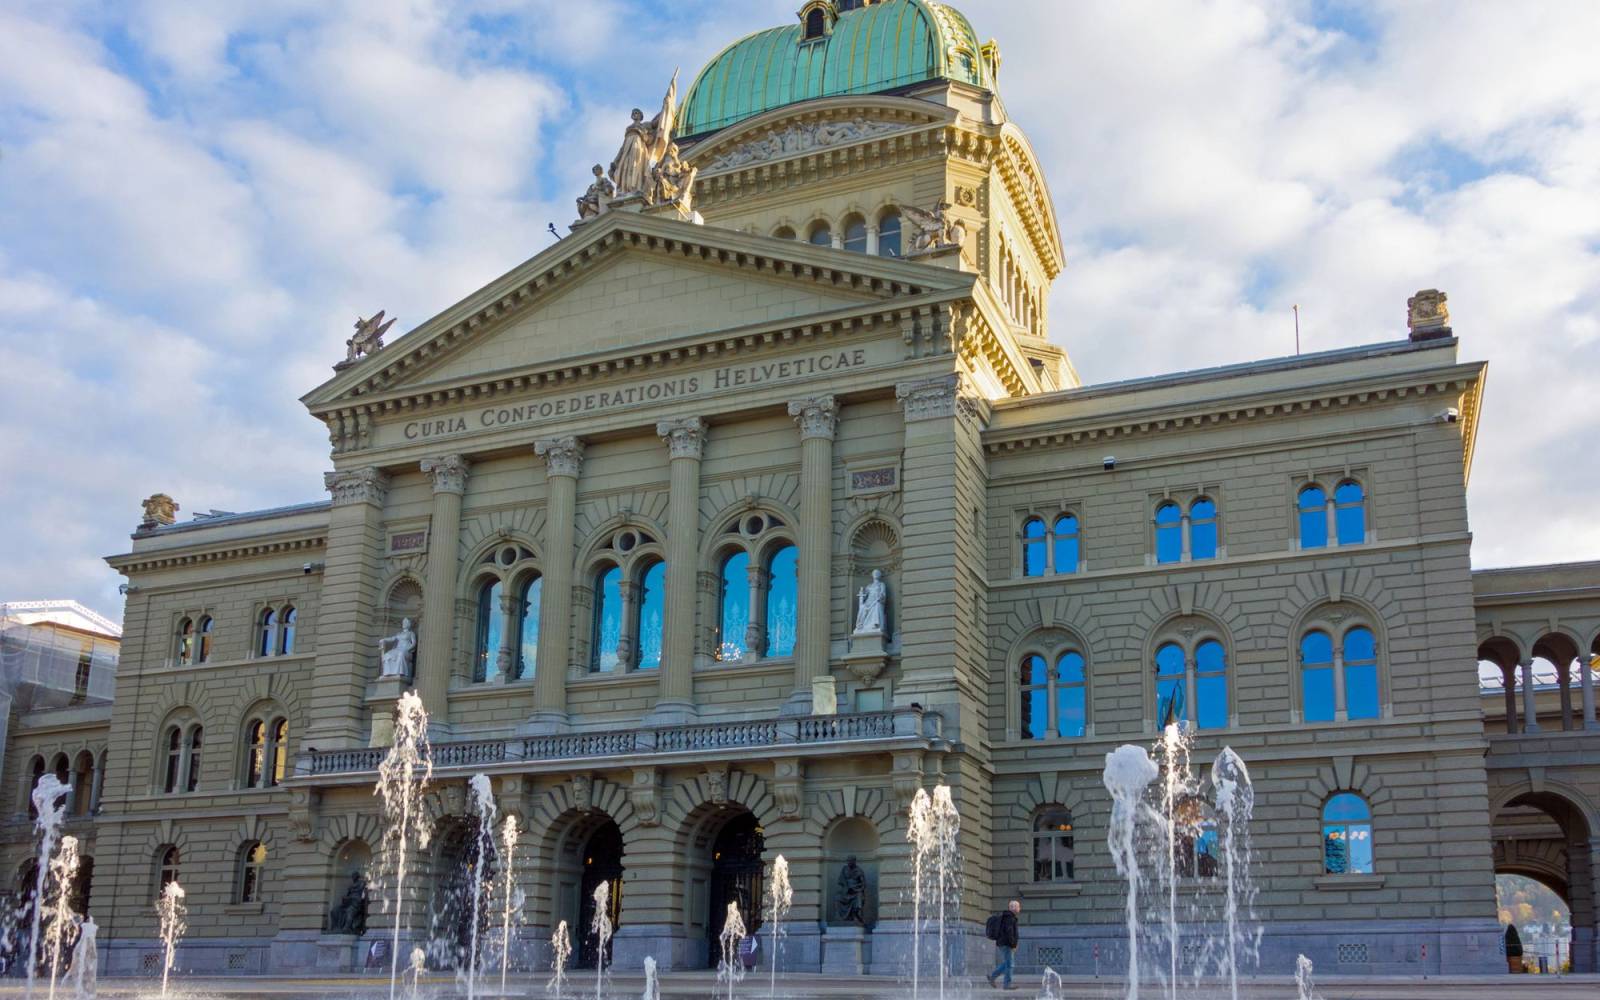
563, 459
817, 418
685, 440
449, 474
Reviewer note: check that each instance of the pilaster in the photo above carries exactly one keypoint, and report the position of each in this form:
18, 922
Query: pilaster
817, 418
563, 458
685, 440
449, 475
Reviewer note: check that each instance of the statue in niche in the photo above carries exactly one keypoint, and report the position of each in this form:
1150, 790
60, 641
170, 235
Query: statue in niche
593, 200
643, 144
870, 602
349, 915
672, 180
851, 904
399, 651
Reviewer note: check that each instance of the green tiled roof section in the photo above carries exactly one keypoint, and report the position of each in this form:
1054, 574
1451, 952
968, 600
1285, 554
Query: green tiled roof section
876, 48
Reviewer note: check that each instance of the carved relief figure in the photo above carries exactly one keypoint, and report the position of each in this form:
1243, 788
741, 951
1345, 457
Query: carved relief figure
852, 893
672, 180
870, 602
593, 200
800, 138
644, 143
368, 337
399, 651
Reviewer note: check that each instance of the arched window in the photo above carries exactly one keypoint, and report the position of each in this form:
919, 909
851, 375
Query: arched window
268, 632
1317, 701
486, 661
1346, 835
191, 770
528, 631
1035, 684
1052, 845
202, 652
252, 858
607, 638
186, 641
816, 24
1171, 686
286, 632
783, 233
652, 614
1192, 689
1065, 550
1350, 513
174, 764
280, 750
733, 606
1033, 547
166, 867
783, 600
1203, 529
821, 235
1071, 696
255, 753
1169, 533
1211, 685
1313, 506
1053, 702
855, 234
1360, 654
889, 234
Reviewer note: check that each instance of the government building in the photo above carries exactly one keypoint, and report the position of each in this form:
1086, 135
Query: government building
765, 498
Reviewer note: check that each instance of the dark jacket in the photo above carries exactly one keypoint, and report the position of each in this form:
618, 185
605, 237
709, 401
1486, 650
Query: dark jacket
1007, 937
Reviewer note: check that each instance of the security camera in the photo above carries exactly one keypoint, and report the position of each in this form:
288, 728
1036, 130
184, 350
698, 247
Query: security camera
1109, 462
1450, 415
310, 567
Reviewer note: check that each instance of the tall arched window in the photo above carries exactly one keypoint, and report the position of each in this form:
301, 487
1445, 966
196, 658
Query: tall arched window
286, 632
191, 770
528, 602
1203, 529
167, 859
652, 614
252, 859
855, 234
607, 640
1313, 505
821, 235
783, 600
1052, 845
1065, 547
816, 24
1033, 547
268, 632
889, 234
1211, 685
1169, 533
1346, 835
266, 751
1317, 701
186, 645
1034, 723
1350, 513
255, 753
280, 750
1171, 686
1361, 674
733, 606
1192, 688
1071, 696
202, 653
491, 637
174, 762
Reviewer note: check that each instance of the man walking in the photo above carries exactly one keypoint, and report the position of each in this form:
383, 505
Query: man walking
1005, 943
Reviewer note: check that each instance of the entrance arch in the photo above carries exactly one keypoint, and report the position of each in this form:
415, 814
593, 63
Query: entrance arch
602, 863
1544, 835
736, 877
456, 860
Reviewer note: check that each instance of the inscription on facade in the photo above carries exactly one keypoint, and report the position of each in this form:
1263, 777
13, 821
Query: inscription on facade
406, 542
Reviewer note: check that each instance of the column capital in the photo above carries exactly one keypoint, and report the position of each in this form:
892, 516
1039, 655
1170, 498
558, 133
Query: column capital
685, 438
816, 415
353, 486
449, 473
937, 398
563, 456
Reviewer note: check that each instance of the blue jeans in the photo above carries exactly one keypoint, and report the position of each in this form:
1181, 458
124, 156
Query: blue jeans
1003, 956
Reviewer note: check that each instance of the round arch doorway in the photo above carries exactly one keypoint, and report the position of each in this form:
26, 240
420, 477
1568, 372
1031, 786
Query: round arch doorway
602, 863
736, 877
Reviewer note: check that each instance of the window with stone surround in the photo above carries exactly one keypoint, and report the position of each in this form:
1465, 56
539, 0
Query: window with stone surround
506, 597
1339, 670
1054, 698
1053, 859
1346, 835
855, 234
628, 592
191, 764
266, 748
757, 589
275, 630
1051, 543
889, 233
252, 863
167, 866
1336, 515
1191, 680
1186, 528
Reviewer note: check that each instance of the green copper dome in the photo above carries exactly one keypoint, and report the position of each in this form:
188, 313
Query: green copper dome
874, 48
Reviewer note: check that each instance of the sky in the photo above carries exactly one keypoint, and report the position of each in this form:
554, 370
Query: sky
197, 200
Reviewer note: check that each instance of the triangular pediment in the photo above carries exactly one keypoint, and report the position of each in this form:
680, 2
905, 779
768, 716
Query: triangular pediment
625, 284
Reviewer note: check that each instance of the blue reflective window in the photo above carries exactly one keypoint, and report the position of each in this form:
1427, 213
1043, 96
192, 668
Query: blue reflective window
1033, 547
1361, 674
607, 637
821, 236
1066, 543
1203, 529
486, 664
1313, 518
734, 614
889, 234
528, 640
1211, 685
652, 615
1346, 836
269, 628
1170, 693
783, 599
1316, 677
1169, 533
855, 234
1071, 703
1350, 513
1035, 684
285, 634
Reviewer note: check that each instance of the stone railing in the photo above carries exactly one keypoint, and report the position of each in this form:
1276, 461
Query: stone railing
815, 731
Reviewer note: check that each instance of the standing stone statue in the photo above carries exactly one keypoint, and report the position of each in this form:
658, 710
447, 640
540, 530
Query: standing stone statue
852, 893
643, 144
349, 915
593, 200
398, 651
672, 180
870, 605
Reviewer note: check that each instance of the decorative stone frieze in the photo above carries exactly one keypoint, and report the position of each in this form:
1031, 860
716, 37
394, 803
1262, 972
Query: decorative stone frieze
563, 456
938, 398
449, 473
818, 416
803, 137
352, 486
685, 438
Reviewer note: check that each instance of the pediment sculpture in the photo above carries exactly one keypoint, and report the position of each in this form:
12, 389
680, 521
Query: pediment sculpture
644, 143
800, 138
368, 338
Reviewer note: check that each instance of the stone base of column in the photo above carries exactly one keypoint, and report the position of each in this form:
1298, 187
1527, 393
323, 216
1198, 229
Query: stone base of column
798, 703
546, 722
672, 712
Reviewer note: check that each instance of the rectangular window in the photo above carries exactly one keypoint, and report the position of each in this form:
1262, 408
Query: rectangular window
1317, 700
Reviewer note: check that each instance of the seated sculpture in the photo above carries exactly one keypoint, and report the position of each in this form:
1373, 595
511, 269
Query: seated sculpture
399, 651
349, 915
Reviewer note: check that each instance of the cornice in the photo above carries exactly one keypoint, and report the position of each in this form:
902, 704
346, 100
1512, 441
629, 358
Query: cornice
144, 562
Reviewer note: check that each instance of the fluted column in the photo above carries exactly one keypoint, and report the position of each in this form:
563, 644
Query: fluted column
449, 475
817, 417
1530, 711
685, 441
563, 459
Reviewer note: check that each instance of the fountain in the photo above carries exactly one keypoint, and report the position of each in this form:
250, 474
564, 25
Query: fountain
511, 897
170, 910
1176, 785
1302, 979
560, 951
652, 986
601, 928
63, 869
49, 799
932, 828
1050, 988
1235, 799
414, 971
481, 791
731, 969
781, 896
1128, 772
85, 960
404, 772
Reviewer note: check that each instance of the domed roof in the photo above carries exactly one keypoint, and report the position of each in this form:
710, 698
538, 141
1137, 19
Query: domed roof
873, 48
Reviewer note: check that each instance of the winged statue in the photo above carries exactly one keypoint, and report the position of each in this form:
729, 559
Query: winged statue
644, 143
368, 338
934, 229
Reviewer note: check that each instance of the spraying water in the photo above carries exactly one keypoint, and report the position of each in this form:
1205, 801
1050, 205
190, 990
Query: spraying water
652, 986
171, 910
601, 928
49, 798
414, 971
85, 961
730, 970
932, 828
1176, 784
917, 823
511, 897
482, 793
560, 951
1128, 772
404, 772
1235, 798
780, 896
1050, 988
63, 869
1302, 979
